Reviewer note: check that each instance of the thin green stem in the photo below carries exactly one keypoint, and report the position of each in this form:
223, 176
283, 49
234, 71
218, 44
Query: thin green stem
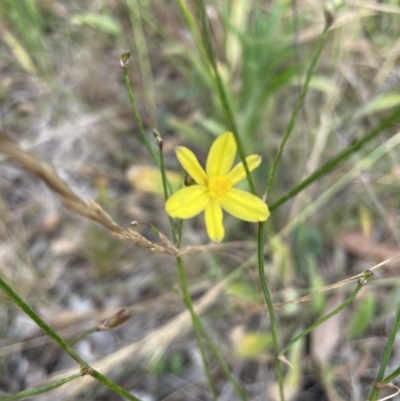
67, 348
270, 305
112, 385
332, 163
138, 118
39, 390
392, 376
44, 326
164, 182
143, 58
297, 108
323, 319
197, 323
180, 226
197, 329
190, 21
386, 355
81, 336
140, 123
222, 363
261, 226
220, 87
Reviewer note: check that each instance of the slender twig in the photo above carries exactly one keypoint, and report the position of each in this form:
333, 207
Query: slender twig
222, 363
81, 336
195, 320
198, 324
332, 163
160, 144
67, 348
191, 23
323, 319
224, 366
112, 385
138, 118
124, 63
386, 355
270, 305
39, 390
297, 108
143, 58
389, 378
261, 268
182, 275
220, 87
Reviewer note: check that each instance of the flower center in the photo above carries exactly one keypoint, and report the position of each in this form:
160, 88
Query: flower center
219, 186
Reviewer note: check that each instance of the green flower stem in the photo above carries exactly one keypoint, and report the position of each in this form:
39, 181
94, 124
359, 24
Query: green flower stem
81, 336
143, 57
392, 376
165, 187
39, 390
299, 103
271, 177
44, 326
67, 348
140, 124
138, 118
180, 226
270, 305
197, 323
323, 319
332, 163
386, 355
112, 385
220, 87
190, 21
224, 366
195, 320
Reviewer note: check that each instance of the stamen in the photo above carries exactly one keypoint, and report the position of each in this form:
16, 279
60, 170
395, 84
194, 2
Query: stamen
219, 186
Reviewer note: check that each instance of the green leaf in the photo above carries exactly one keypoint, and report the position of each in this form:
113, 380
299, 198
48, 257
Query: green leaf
243, 290
251, 344
102, 22
316, 282
382, 103
362, 316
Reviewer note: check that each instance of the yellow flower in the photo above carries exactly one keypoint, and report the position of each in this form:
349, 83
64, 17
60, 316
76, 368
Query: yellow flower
214, 189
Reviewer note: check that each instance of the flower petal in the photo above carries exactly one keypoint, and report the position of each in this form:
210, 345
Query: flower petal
238, 173
244, 206
187, 202
214, 216
221, 155
191, 165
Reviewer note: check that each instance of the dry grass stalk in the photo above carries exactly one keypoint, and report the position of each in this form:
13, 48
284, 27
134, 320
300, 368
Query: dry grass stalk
306, 298
89, 209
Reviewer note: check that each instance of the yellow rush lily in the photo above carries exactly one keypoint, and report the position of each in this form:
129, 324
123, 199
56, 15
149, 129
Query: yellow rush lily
214, 189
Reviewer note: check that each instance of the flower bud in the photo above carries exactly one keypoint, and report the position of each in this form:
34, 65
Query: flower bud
159, 140
119, 318
366, 276
188, 181
330, 9
125, 58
